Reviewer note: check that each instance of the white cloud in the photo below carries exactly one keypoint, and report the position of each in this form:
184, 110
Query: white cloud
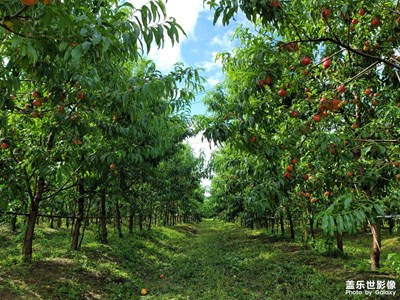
225, 41
215, 80
213, 66
201, 145
213, 69
212, 63
186, 14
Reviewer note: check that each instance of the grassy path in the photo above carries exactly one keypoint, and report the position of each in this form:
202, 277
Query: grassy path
212, 260
224, 261
206, 266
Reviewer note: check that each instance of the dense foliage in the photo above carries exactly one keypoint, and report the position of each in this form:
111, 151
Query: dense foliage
87, 124
307, 118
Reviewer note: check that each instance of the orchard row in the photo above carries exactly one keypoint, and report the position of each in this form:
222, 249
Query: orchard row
89, 128
307, 118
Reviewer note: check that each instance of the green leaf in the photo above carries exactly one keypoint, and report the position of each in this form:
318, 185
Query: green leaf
325, 223
379, 209
86, 46
96, 38
106, 45
347, 202
63, 46
339, 224
144, 11
347, 224
154, 11
331, 226
367, 149
148, 38
130, 5
15, 42
330, 208
32, 53
83, 32
3, 203
328, 224
77, 53
360, 216
161, 6
67, 53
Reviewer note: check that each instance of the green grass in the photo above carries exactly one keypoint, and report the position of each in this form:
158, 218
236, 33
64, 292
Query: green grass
212, 260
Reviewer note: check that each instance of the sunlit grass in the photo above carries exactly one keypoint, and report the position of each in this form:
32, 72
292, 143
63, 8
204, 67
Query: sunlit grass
210, 261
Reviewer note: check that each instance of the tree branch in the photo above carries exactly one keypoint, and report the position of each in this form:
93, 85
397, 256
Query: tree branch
19, 34
378, 141
339, 43
62, 188
18, 13
360, 73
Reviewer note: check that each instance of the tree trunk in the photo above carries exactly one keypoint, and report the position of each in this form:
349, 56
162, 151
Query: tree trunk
28, 239
375, 228
282, 225
73, 218
165, 222
273, 225
103, 220
80, 217
365, 227
118, 219
150, 213
67, 222
131, 218
150, 221
14, 223
51, 218
376, 246
140, 221
85, 224
291, 226
339, 241
34, 210
391, 225
312, 232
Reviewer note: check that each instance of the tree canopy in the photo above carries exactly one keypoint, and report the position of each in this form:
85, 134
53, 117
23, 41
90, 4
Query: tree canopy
307, 117
86, 117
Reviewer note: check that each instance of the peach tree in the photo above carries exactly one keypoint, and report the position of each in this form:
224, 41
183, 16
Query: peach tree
319, 86
69, 102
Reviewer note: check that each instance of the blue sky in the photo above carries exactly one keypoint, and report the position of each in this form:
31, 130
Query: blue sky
200, 46
200, 49
197, 49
